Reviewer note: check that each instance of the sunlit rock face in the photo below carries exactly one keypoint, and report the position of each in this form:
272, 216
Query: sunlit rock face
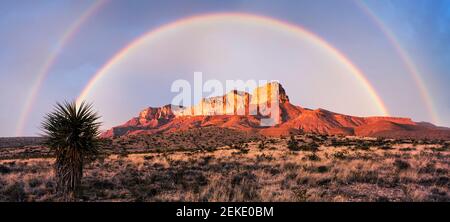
232, 103
159, 113
239, 103
268, 93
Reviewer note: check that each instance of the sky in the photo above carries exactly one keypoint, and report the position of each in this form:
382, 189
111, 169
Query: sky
50, 50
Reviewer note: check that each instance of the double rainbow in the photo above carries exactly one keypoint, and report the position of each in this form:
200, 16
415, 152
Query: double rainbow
261, 20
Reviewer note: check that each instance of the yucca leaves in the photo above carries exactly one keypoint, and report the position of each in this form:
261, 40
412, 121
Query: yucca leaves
72, 132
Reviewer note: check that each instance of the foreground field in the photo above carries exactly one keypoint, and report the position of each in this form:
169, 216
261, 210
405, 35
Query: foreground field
276, 169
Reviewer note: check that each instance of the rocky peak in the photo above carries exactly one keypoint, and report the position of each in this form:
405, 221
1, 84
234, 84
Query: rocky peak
263, 94
156, 113
233, 103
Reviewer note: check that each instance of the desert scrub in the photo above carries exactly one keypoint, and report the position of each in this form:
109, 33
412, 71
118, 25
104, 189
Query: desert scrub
401, 164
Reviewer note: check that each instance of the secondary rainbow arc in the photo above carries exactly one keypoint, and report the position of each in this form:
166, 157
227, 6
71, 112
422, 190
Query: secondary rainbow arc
406, 59
67, 36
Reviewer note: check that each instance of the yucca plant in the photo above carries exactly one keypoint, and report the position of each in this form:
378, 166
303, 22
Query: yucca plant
72, 133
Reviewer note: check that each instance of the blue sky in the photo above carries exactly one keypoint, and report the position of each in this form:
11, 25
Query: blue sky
29, 31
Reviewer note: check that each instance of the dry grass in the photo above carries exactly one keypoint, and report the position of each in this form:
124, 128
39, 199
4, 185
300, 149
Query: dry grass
342, 169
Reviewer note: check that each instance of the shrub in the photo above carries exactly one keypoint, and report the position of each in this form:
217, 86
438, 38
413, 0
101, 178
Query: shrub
35, 182
148, 157
4, 169
262, 145
290, 166
264, 157
339, 155
246, 184
15, 192
293, 144
313, 157
311, 147
386, 147
401, 164
239, 178
244, 151
322, 169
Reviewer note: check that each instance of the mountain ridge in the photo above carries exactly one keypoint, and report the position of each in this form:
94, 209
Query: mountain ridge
242, 111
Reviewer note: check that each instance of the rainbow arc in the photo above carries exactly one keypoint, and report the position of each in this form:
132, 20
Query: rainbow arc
249, 18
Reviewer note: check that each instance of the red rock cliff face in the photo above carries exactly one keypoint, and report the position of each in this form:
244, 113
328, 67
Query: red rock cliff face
152, 117
244, 111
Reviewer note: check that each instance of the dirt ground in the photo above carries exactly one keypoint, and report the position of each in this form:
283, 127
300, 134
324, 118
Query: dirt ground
302, 168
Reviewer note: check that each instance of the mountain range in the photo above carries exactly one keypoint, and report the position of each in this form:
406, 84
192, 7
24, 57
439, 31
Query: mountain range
241, 111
